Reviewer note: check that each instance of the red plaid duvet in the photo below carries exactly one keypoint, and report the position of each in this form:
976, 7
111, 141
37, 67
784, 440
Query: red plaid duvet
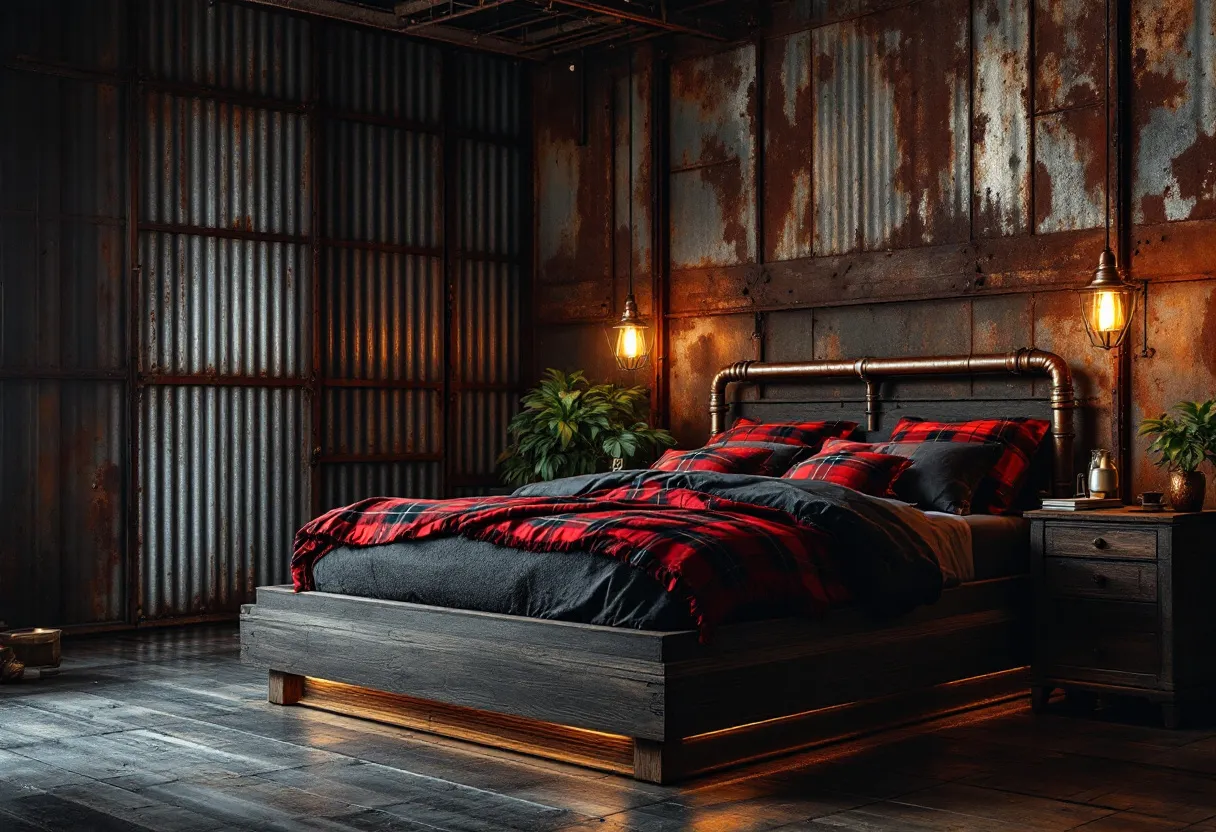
718, 554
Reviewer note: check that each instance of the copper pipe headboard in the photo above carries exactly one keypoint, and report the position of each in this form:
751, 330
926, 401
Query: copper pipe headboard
872, 370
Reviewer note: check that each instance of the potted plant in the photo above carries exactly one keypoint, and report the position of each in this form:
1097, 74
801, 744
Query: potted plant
569, 426
1182, 444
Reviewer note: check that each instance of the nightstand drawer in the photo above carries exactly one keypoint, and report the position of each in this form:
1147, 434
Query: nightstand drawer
1092, 540
1118, 636
1087, 578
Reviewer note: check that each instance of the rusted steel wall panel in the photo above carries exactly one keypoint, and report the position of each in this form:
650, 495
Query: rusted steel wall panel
486, 323
788, 114
1069, 179
573, 187
35, 30
61, 223
382, 316
1069, 37
224, 307
212, 164
226, 46
1182, 331
892, 142
371, 422
713, 160
382, 184
488, 184
698, 348
346, 483
1000, 125
223, 489
63, 449
1174, 110
480, 434
488, 99
379, 74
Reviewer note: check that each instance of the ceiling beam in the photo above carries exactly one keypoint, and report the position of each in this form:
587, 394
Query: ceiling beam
671, 22
388, 21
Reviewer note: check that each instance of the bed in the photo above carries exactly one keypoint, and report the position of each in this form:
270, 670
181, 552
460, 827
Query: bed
652, 698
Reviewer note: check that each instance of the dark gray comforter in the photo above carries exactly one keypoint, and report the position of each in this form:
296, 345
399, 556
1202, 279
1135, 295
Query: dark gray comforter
885, 550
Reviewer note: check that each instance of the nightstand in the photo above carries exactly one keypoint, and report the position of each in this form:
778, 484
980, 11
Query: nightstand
1125, 602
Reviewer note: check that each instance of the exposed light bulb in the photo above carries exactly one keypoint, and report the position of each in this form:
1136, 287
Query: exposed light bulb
1110, 312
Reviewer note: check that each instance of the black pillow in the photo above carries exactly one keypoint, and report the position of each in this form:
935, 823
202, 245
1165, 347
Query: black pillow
943, 476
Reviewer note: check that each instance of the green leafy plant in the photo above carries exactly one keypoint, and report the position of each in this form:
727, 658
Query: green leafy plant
570, 426
1182, 443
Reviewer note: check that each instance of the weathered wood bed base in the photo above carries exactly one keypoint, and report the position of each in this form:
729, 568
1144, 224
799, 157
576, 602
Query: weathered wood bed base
655, 705
658, 706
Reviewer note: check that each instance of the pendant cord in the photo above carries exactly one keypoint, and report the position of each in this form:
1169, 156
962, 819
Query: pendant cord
629, 195
1106, 123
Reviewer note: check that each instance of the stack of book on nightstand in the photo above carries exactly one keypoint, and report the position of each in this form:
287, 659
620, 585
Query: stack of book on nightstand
1081, 503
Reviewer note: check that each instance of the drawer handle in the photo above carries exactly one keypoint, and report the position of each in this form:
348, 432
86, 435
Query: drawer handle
1100, 580
1100, 543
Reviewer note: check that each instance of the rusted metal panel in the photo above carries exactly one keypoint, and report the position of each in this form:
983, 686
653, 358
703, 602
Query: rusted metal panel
569, 347
698, 348
892, 141
1000, 122
635, 245
486, 324
226, 46
63, 448
61, 218
1182, 330
480, 432
788, 114
213, 164
488, 94
35, 30
382, 184
382, 316
1068, 40
346, 483
713, 160
372, 422
1069, 178
223, 489
573, 217
364, 71
1174, 110
224, 307
488, 183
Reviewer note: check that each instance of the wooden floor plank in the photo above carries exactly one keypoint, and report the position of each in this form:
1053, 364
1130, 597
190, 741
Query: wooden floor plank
167, 730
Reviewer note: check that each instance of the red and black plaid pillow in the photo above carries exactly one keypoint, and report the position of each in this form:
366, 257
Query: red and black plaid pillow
1021, 437
805, 434
865, 471
762, 459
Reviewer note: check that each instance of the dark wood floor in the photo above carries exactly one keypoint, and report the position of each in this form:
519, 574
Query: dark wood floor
166, 730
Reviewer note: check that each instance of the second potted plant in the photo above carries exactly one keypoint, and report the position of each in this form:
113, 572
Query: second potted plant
1182, 443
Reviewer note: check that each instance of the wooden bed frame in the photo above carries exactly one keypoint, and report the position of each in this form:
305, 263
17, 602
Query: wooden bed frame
660, 706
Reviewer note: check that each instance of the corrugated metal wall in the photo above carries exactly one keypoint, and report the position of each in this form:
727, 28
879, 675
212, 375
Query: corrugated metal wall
313, 307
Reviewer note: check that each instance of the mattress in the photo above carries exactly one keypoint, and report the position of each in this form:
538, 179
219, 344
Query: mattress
586, 588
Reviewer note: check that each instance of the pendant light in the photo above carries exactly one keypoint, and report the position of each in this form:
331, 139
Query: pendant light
1107, 302
633, 342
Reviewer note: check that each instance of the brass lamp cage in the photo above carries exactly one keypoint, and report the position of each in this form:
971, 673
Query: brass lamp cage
1107, 304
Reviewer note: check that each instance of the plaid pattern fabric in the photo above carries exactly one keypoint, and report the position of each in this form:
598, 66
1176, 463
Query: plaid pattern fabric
772, 461
865, 471
721, 556
998, 492
808, 434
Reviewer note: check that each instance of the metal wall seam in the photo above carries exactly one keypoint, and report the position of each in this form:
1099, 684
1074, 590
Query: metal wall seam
224, 488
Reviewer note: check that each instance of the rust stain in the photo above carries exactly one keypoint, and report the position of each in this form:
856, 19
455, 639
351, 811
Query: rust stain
726, 180
102, 510
788, 110
1068, 39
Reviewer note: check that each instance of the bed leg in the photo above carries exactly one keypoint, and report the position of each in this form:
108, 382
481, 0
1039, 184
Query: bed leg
285, 688
653, 761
